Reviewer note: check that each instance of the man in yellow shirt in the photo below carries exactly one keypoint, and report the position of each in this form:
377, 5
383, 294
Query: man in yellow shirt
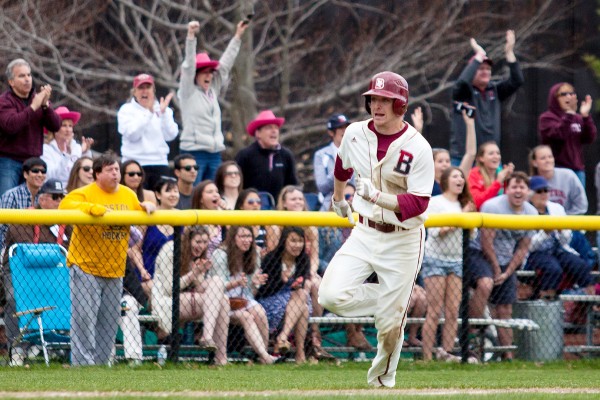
97, 255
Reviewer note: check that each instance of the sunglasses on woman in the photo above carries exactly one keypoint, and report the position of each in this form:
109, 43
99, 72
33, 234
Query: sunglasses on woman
254, 201
134, 173
86, 168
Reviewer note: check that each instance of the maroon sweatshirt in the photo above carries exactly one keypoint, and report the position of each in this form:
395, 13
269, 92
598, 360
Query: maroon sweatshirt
21, 128
565, 133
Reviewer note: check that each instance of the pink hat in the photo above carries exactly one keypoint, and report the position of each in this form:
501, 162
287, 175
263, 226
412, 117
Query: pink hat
263, 118
141, 79
64, 113
204, 61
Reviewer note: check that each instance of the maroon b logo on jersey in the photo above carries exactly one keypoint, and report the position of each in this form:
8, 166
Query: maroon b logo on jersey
404, 162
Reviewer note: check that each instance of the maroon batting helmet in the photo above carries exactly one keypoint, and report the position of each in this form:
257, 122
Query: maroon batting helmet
390, 85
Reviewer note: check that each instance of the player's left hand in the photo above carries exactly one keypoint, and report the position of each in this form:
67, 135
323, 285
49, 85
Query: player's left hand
366, 190
342, 208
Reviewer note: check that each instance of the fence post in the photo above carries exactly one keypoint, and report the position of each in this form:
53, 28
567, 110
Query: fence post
464, 302
175, 339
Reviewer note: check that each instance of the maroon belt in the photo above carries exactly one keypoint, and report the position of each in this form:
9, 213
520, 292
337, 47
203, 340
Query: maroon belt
381, 227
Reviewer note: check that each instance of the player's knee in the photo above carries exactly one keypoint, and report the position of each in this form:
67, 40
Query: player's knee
329, 298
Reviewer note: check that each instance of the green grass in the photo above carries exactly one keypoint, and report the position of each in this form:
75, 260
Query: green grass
289, 381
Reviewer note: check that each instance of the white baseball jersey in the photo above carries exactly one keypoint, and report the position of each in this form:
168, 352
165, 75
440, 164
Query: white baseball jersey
406, 168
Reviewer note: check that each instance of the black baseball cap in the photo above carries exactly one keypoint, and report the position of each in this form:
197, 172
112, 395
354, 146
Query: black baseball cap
53, 186
337, 121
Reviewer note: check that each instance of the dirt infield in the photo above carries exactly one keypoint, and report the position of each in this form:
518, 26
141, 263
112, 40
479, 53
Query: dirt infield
316, 393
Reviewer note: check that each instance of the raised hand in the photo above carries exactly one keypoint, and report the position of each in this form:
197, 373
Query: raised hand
164, 102
193, 29
86, 143
586, 106
241, 28
476, 47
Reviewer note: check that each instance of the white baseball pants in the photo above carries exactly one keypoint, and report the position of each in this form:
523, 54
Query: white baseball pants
396, 258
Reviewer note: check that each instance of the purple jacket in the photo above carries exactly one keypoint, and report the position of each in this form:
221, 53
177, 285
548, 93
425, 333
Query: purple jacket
565, 133
21, 128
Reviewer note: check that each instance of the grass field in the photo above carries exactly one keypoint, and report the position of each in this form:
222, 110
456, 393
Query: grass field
517, 380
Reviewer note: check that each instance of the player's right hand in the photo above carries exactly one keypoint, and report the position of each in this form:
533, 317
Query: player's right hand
342, 208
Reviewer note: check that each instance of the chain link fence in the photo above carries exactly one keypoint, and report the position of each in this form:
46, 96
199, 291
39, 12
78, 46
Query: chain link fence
220, 294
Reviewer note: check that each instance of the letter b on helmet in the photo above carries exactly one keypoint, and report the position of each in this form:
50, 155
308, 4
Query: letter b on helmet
390, 85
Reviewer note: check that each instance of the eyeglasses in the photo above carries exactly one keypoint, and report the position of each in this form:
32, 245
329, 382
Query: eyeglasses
254, 201
37, 170
87, 168
232, 173
189, 167
540, 191
132, 174
57, 196
348, 196
563, 94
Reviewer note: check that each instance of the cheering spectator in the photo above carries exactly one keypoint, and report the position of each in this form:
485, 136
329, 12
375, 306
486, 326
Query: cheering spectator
201, 297
442, 265
236, 263
63, 150
202, 82
486, 179
282, 295
267, 166
557, 264
498, 253
23, 116
475, 87
206, 197
566, 131
564, 186
146, 125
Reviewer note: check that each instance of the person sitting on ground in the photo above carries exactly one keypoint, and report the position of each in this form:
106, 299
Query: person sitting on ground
558, 266
237, 263
229, 181
283, 296
81, 174
442, 268
486, 179
201, 297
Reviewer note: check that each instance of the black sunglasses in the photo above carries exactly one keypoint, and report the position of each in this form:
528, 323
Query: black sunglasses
57, 196
132, 174
540, 191
38, 170
189, 167
86, 168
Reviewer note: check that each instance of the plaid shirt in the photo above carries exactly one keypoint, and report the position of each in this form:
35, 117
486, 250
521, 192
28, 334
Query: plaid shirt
18, 197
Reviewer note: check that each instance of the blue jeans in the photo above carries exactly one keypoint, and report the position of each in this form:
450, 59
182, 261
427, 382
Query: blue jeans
207, 164
11, 174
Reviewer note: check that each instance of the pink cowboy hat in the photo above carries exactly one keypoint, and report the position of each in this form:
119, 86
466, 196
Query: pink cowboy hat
263, 118
64, 113
204, 61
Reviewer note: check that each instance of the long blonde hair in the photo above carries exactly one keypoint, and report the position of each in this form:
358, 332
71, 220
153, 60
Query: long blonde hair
487, 179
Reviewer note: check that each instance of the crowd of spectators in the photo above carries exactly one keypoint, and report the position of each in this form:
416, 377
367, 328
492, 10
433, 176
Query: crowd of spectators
265, 279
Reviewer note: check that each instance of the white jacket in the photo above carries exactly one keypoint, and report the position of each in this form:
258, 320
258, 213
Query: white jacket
59, 164
145, 134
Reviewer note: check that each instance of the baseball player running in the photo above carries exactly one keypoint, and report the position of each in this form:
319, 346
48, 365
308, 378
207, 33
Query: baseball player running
394, 171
